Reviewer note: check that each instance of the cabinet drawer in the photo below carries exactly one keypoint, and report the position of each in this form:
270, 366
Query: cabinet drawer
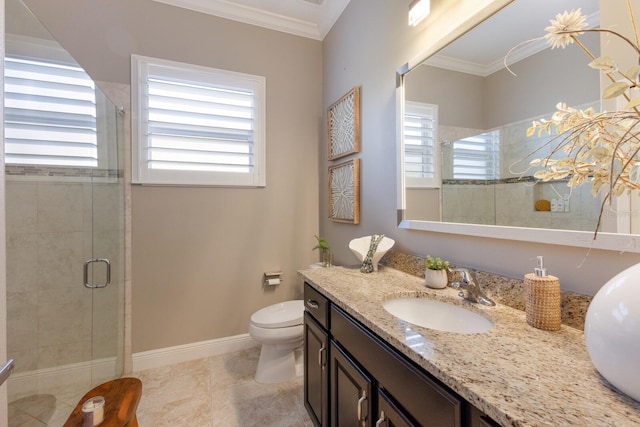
421, 396
316, 305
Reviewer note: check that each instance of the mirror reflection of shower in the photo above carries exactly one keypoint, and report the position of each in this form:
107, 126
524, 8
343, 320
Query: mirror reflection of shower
486, 180
64, 205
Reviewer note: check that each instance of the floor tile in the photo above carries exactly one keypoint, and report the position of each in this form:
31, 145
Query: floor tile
210, 392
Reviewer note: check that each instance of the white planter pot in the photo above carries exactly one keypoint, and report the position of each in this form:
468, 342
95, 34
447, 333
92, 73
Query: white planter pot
436, 279
612, 331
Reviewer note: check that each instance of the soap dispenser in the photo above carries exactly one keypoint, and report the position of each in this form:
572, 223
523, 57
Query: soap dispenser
543, 298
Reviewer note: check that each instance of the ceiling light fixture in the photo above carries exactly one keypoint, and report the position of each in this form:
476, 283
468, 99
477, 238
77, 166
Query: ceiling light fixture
418, 10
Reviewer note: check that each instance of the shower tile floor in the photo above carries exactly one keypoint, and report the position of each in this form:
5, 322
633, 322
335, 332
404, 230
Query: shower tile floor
211, 392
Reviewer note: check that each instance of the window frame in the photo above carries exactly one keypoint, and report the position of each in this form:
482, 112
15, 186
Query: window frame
141, 68
418, 108
490, 156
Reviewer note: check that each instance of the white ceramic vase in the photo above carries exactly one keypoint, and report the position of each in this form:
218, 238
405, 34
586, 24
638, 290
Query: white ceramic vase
436, 279
612, 331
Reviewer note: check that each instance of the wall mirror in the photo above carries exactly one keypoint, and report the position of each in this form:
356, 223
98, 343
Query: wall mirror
462, 145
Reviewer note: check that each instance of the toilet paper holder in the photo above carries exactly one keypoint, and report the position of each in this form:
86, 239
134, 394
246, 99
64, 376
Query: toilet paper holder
272, 278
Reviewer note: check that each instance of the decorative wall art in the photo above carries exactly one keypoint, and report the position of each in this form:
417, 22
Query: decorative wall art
344, 125
344, 192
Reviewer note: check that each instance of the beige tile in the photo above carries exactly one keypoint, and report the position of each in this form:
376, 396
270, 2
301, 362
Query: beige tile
179, 383
22, 258
22, 323
218, 391
184, 412
21, 207
254, 404
241, 368
60, 207
40, 406
107, 207
60, 260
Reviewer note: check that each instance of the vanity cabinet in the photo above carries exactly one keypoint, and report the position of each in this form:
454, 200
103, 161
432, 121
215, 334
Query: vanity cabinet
367, 382
316, 357
390, 414
351, 391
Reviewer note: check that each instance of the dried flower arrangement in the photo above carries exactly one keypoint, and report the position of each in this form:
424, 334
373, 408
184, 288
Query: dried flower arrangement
600, 148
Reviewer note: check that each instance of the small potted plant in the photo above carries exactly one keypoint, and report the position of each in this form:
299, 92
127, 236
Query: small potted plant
435, 275
325, 251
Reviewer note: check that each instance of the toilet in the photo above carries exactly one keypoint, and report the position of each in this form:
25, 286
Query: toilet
279, 329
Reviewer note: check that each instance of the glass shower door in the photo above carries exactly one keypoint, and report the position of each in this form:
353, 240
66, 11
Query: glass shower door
105, 263
64, 337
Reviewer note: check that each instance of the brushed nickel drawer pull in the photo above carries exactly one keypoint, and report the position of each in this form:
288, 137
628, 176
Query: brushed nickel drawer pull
320, 354
360, 402
313, 304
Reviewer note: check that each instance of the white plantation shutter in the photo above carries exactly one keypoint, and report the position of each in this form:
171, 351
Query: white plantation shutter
50, 114
477, 157
420, 147
197, 125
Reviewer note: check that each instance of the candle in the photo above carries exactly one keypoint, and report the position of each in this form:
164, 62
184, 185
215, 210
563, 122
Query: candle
93, 412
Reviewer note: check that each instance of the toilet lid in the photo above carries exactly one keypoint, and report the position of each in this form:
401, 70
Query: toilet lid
281, 315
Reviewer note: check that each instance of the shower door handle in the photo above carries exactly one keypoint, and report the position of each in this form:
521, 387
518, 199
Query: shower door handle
6, 370
86, 273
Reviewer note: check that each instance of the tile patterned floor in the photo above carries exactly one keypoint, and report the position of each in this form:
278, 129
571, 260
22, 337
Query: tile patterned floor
211, 392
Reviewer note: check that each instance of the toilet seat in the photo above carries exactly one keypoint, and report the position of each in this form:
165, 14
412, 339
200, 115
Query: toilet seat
280, 315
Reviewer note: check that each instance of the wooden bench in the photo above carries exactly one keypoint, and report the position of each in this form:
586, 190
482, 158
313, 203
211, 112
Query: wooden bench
121, 402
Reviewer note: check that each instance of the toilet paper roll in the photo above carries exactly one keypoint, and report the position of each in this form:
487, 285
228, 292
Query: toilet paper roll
273, 282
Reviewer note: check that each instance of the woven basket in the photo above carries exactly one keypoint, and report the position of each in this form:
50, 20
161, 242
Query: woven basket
543, 302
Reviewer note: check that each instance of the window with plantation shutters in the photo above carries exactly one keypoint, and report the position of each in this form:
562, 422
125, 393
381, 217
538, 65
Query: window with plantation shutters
477, 157
196, 125
50, 114
420, 147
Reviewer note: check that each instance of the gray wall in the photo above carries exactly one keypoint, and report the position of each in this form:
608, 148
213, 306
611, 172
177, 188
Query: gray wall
198, 254
541, 81
370, 41
438, 86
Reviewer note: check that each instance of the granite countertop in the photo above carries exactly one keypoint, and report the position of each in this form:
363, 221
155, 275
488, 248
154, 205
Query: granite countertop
516, 374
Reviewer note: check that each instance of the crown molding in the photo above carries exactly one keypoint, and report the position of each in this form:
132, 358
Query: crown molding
262, 18
483, 70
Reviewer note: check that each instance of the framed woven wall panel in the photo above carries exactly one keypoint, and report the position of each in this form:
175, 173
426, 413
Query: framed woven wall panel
344, 192
343, 119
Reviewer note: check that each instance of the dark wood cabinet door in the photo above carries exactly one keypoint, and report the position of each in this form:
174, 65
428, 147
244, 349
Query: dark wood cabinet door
390, 414
316, 371
352, 403
429, 403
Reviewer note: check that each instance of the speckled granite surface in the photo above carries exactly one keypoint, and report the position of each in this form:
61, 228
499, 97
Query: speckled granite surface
503, 290
516, 374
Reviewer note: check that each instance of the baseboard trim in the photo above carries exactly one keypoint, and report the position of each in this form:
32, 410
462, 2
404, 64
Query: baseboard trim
186, 352
77, 375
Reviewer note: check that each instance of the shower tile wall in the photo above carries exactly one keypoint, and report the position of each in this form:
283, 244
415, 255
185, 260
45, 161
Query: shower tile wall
512, 203
51, 228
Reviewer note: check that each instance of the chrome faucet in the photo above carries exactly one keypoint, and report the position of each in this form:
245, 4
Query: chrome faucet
469, 283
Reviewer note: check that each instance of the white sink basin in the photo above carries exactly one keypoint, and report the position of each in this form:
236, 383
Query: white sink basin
438, 315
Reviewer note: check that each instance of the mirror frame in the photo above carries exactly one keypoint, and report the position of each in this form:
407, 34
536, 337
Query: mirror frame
584, 239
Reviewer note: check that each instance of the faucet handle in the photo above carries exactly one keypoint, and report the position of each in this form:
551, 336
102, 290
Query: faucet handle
464, 276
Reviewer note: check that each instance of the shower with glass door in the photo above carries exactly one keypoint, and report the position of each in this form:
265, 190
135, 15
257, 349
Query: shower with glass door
64, 226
